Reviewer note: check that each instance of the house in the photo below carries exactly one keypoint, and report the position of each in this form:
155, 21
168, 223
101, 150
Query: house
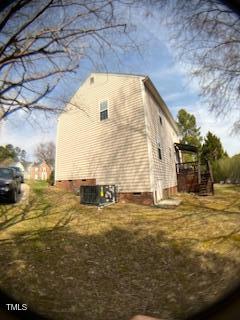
19, 165
39, 171
118, 130
27, 165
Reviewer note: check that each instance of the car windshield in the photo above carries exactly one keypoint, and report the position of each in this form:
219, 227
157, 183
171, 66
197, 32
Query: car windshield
6, 173
17, 169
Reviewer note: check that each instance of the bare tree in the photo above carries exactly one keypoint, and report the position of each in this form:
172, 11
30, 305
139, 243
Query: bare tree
206, 35
43, 40
45, 152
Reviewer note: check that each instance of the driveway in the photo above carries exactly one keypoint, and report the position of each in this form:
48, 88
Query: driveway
24, 193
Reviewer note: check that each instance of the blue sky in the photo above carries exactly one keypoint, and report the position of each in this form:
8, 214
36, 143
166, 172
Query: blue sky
157, 61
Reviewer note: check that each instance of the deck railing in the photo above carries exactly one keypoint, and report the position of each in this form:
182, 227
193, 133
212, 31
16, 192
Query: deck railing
187, 166
194, 166
193, 176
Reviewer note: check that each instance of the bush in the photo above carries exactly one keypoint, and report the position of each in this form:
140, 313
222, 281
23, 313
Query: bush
227, 169
50, 180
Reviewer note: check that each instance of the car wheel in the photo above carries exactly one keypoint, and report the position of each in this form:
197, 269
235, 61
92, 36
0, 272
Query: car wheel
13, 198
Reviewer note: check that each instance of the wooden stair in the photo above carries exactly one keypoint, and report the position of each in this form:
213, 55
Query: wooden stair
195, 177
204, 188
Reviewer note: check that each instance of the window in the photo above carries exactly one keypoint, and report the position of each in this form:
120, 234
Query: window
160, 119
159, 151
103, 110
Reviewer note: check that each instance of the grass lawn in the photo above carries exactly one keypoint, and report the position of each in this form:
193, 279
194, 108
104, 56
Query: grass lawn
70, 261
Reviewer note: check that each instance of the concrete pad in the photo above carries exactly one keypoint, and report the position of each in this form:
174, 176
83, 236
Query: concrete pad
169, 203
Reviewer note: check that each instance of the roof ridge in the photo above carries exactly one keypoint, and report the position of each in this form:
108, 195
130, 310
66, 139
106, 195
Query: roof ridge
120, 74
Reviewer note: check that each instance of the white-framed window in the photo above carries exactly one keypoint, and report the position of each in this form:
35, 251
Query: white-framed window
159, 150
160, 120
103, 110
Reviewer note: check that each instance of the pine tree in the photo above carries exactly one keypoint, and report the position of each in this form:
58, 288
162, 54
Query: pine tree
188, 128
212, 148
190, 133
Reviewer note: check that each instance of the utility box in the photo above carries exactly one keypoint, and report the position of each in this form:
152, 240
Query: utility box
98, 195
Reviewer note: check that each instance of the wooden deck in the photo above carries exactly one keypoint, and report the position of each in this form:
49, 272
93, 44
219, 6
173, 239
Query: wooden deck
195, 177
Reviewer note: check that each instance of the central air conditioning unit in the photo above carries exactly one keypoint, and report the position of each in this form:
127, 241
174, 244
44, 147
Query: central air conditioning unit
99, 195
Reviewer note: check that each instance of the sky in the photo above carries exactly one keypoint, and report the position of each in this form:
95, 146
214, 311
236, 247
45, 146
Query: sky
156, 60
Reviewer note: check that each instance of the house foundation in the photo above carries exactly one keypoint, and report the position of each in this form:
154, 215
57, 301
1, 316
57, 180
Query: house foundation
144, 198
74, 185
169, 192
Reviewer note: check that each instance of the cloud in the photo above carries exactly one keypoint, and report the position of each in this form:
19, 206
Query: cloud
158, 33
166, 71
175, 96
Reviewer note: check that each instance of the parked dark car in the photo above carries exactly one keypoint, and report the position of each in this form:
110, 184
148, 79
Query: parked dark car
10, 184
20, 173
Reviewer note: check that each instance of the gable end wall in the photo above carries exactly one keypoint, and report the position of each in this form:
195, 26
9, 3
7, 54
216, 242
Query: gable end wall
113, 151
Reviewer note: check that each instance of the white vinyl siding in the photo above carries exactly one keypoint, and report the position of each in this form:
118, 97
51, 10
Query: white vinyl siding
113, 151
161, 135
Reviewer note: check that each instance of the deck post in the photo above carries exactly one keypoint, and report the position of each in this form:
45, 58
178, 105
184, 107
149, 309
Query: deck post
210, 170
211, 175
199, 172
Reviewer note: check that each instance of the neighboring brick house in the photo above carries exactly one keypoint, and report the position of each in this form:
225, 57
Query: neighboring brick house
39, 171
122, 134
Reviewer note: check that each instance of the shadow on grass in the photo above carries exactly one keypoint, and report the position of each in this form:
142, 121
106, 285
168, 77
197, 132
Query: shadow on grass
112, 275
37, 206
